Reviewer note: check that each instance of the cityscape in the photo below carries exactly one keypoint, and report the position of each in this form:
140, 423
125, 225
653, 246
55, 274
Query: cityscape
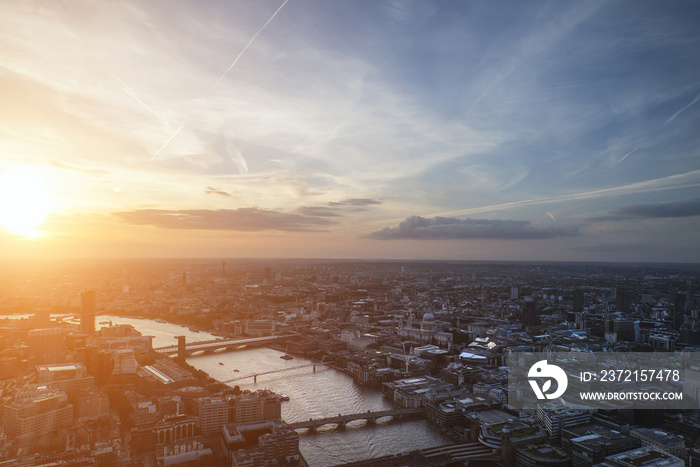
351, 232
240, 362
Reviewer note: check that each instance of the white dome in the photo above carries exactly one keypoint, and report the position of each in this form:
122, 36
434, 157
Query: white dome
428, 317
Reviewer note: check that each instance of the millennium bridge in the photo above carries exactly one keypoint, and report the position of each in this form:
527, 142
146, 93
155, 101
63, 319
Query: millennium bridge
255, 375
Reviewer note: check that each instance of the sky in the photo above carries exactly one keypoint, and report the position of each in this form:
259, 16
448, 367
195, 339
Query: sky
382, 129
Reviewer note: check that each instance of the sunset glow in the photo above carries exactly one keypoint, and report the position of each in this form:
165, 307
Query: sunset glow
25, 202
388, 129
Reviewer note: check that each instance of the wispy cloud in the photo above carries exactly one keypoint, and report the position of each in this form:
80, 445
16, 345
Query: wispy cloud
243, 219
671, 182
445, 228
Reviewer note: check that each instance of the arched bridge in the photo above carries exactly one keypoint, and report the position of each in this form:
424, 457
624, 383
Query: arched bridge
218, 344
371, 417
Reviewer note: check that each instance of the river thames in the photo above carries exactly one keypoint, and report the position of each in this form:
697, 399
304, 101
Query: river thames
323, 393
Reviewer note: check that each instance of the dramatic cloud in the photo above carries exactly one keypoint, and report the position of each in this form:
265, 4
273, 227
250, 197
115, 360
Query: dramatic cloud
243, 219
683, 208
447, 228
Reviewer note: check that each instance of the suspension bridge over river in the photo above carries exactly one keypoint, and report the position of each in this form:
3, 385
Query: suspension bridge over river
255, 375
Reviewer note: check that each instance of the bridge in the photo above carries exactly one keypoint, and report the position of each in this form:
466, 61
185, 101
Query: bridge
255, 376
215, 344
369, 416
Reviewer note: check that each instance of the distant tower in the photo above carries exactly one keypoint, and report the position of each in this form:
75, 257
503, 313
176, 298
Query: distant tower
528, 314
513, 293
623, 300
181, 348
87, 312
42, 317
689, 298
578, 301
678, 310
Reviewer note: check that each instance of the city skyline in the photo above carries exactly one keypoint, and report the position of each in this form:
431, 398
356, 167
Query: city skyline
368, 130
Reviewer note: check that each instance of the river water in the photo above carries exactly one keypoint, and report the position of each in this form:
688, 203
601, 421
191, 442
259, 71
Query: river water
325, 393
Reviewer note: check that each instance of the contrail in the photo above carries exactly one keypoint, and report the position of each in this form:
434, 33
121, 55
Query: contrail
248, 45
240, 54
171, 138
624, 157
138, 99
673, 117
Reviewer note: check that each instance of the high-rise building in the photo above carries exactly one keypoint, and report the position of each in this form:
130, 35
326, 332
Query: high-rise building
87, 312
678, 310
253, 407
42, 317
37, 410
71, 378
623, 300
213, 414
278, 445
528, 314
578, 301
46, 346
90, 405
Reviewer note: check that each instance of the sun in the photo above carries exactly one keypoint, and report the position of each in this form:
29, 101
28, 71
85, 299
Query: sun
24, 202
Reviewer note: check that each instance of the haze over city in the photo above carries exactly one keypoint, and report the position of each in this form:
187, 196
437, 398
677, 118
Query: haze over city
400, 130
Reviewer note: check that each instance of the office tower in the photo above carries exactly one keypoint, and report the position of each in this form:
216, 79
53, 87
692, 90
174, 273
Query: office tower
70, 378
42, 317
528, 314
623, 300
678, 310
46, 346
37, 410
91, 405
578, 301
213, 414
254, 407
87, 312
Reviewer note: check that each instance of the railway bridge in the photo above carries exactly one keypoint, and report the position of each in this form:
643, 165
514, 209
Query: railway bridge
182, 349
